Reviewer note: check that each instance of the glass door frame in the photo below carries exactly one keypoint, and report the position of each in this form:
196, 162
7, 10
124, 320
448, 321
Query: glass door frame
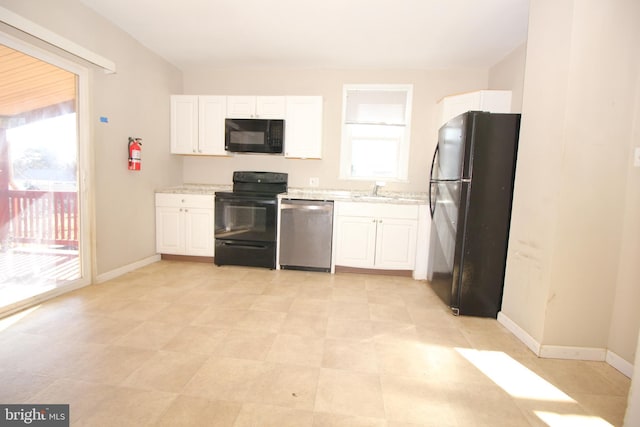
86, 250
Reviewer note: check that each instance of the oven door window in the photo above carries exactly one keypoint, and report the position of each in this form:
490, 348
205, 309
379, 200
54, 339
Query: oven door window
249, 220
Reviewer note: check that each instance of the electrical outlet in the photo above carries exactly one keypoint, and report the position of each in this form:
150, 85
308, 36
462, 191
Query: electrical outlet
314, 182
636, 157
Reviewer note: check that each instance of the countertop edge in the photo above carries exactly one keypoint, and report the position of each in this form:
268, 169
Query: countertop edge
336, 195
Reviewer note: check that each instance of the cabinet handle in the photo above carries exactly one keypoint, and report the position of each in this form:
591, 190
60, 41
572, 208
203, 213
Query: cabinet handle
182, 200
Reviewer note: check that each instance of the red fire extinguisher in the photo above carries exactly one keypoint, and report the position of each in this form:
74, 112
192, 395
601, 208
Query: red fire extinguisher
135, 148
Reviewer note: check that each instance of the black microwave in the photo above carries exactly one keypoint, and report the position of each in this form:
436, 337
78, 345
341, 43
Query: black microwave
254, 136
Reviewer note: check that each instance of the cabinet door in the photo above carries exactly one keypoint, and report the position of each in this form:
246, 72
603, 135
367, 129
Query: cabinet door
396, 243
455, 105
356, 241
184, 124
241, 107
212, 111
494, 101
199, 232
256, 107
303, 127
169, 230
270, 107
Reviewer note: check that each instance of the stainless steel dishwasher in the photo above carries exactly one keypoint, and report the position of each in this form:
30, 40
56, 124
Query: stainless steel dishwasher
306, 232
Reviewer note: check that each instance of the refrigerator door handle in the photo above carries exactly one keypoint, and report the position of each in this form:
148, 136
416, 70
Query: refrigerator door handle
432, 206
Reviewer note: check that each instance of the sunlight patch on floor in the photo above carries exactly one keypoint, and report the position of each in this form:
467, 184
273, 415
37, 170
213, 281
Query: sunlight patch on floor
513, 377
15, 318
571, 420
521, 382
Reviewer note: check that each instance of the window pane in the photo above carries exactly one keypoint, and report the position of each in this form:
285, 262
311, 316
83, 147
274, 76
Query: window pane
381, 106
375, 151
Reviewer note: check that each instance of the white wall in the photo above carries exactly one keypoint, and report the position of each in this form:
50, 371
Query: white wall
136, 102
625, 322
569, 235
508, 74
429, 87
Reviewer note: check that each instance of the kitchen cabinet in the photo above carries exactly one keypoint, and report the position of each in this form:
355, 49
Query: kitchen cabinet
197, 124
376, 235
256, 107
303, 127
185, 224
494, 101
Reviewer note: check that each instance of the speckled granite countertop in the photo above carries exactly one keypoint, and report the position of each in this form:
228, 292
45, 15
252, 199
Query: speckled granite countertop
355, 196
310, 194
204, 189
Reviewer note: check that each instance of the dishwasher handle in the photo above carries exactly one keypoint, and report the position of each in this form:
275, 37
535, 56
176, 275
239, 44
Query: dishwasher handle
306, 205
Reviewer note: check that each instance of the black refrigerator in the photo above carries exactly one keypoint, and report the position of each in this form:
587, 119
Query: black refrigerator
470, 195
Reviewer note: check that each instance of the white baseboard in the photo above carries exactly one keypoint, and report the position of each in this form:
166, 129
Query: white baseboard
573, 353
520, 333
619, 363
566, 352
127, 268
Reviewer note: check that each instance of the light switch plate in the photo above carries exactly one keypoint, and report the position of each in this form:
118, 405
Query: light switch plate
314, 182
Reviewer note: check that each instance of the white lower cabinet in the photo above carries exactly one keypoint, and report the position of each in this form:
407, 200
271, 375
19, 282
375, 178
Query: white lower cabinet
372, 235
185, 224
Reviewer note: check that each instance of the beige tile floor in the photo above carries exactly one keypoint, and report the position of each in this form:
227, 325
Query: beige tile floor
191, 344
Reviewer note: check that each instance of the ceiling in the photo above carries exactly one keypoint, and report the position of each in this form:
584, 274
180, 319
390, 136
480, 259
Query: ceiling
390, 34
28, 84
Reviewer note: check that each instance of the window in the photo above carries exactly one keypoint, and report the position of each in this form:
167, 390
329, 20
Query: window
375, 132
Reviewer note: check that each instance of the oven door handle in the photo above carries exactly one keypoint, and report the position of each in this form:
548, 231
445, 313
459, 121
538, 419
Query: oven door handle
245, 201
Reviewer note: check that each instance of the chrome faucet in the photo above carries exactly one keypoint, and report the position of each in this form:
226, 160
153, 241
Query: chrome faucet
376, 187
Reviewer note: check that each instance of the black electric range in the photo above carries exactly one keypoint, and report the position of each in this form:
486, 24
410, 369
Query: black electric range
246, 219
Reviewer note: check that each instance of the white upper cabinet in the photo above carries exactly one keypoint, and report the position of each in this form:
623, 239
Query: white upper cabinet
211, 124
494, 101
184, 124
197, 124
256, 107
303, 127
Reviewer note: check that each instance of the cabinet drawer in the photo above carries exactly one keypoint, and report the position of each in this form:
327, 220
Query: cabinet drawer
190, 200
378, 210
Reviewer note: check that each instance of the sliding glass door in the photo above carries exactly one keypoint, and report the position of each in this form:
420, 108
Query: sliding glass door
41, 211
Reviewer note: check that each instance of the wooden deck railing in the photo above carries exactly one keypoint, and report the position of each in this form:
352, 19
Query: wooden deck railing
43, 217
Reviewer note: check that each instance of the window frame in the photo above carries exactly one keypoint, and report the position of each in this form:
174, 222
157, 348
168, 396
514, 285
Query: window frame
346, 149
